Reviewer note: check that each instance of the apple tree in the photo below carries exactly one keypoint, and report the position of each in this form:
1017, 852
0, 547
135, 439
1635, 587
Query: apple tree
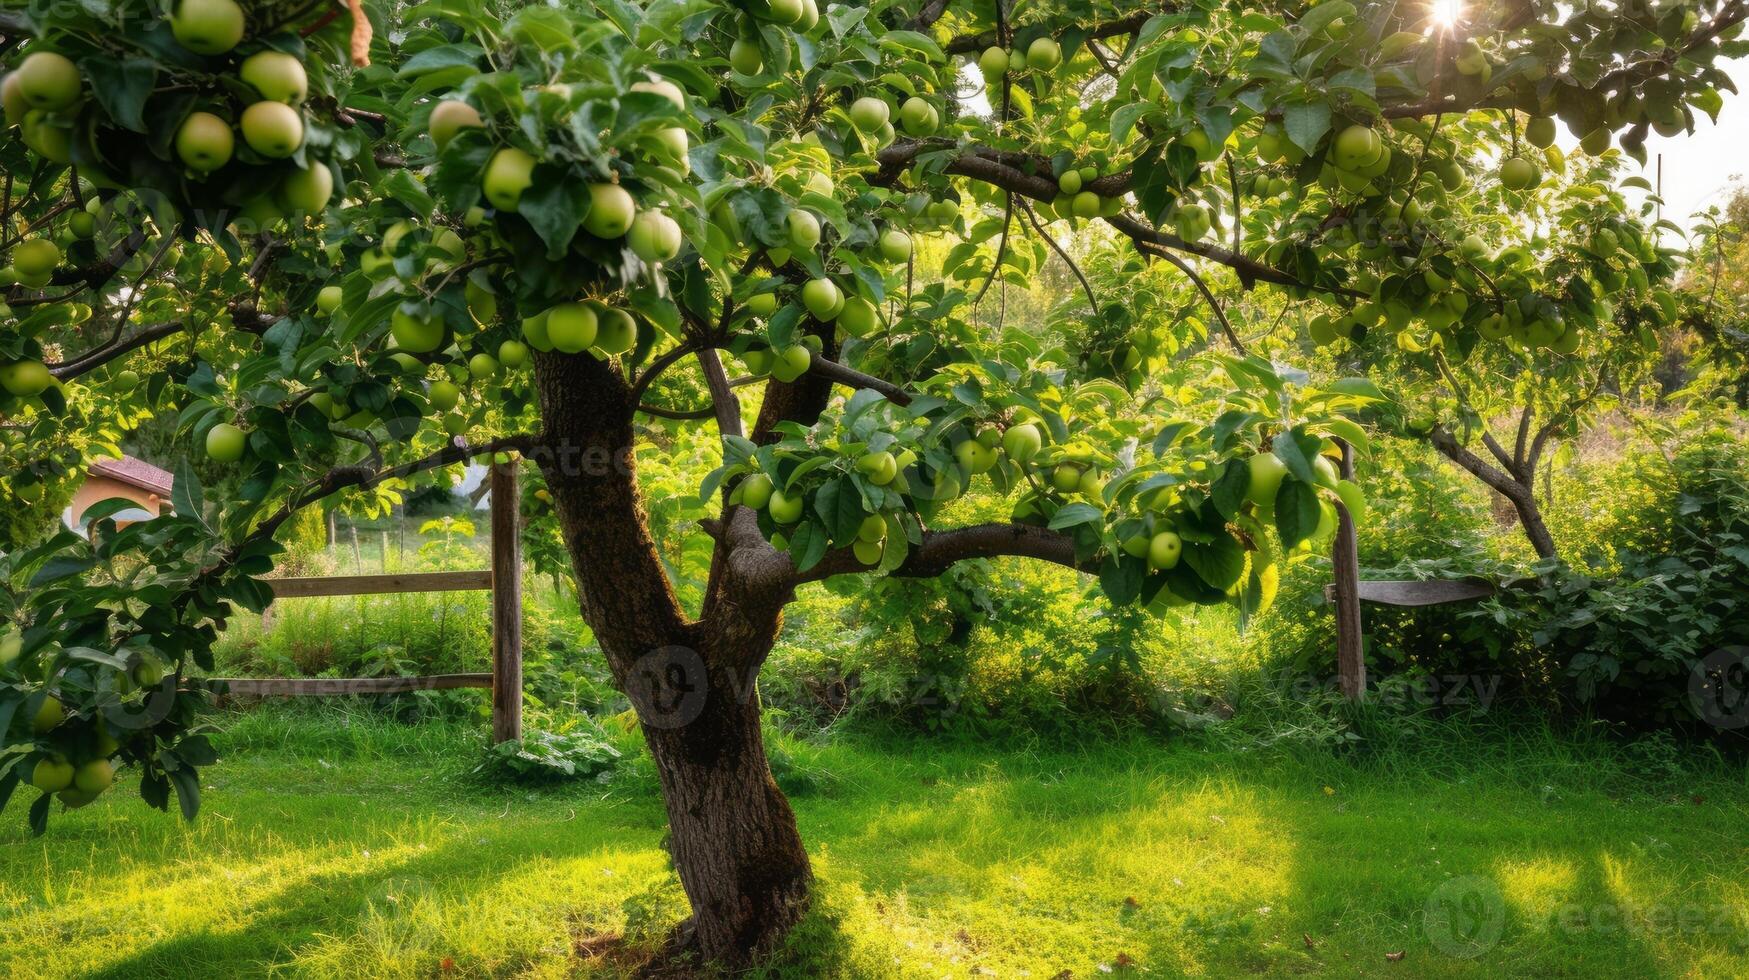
346, 246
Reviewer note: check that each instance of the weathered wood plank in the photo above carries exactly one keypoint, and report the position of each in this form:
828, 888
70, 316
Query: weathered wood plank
340, 686
506, 604
1350, 646
1433, 592
335, 585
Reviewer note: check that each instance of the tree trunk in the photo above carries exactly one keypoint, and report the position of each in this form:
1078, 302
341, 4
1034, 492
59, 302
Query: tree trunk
1520, 492
733, 836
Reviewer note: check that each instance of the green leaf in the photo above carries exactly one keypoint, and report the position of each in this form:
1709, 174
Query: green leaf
840, 506
555, 207
1296, 511
1293, 456
185, 492
1228, 492
1306, 124
1219, 563
122, 87
1076, 513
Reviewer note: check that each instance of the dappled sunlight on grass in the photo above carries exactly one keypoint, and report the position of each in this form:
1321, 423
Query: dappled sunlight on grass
937, 860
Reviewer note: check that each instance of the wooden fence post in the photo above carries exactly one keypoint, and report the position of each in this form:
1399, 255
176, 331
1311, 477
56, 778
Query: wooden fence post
506, 604
1350, 652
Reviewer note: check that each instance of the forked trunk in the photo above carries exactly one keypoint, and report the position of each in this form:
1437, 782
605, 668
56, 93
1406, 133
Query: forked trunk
732, 834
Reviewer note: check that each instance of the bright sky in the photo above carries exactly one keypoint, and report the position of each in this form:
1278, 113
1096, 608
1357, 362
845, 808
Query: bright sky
1699, 167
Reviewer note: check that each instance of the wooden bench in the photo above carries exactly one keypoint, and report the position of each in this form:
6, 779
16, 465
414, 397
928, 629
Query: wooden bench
1414, 592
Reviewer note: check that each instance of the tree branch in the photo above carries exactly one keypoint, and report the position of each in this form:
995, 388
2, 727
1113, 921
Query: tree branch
974, 43
723, 400
93, 359
834, 371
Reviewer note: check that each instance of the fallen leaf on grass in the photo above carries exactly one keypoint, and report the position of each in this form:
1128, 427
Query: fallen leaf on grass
1396, 957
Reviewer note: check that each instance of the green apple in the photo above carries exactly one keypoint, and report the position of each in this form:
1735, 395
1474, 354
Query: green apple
11, 646
47, 80
786, 11
745, 57
49, 716
483, 367
654, 236
12, 100
1518, 173
895, 245
1540, 132
1066, 477
534, 330
1266, 472
1070, 182
225, 443
1324, 472
867, 552
756, 491
1595, 142
858, 317
616, 331
785, 509
572, 327
821, 297
762, 304
416, 334
792, 363
273, 129
1022, 442
665, 88
307, 191
810, 17
35, 258
804, 230
82, 225
450, 117
52, 775
1357, 147
993, 63
328, 299
26, 379
455, 425
278, 76
759, 362
676, 143
879, 467
509, 173
1164, 550
443, 395
1086, 205
513, 354
204, 142
918, 118
1043, 54
611, 210
869, 114
974, 456
1092, 483
207, 26
94, 776
49, 140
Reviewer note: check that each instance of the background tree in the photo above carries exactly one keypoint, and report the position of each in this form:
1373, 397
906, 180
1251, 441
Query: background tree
344, 253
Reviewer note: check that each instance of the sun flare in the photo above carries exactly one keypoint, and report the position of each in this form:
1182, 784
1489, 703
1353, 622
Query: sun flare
1445, 13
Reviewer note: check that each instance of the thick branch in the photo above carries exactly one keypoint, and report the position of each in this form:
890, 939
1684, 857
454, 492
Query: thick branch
973, 43
93, 359
723, 400
834, 371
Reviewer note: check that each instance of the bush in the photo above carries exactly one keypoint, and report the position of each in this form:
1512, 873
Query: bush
586, 752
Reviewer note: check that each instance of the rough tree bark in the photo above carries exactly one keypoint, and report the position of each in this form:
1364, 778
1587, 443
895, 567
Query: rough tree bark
1515, 484
733, 837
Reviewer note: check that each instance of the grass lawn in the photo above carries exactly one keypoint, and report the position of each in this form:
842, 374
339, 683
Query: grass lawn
333, 844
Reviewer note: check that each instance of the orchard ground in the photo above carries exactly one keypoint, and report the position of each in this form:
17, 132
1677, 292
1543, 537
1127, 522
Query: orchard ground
335, 843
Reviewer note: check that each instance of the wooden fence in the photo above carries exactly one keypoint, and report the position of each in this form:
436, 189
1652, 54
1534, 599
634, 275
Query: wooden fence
503, 580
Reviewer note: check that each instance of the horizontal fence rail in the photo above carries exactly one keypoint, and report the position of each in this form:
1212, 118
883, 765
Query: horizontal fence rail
339, 686
478, 580
503, 580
